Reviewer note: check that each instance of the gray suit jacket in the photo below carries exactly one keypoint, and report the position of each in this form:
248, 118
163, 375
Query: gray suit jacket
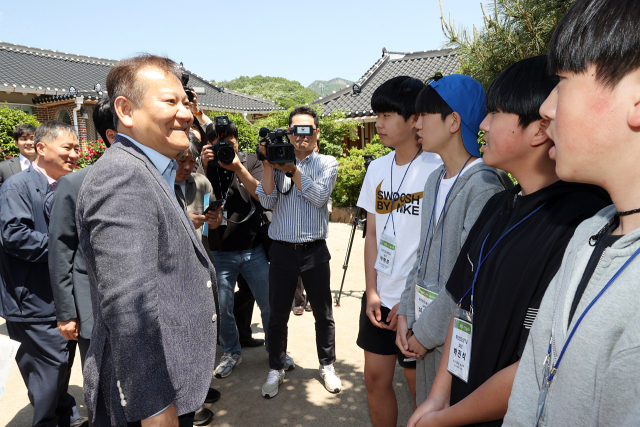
155, 330
67, 268
8, 168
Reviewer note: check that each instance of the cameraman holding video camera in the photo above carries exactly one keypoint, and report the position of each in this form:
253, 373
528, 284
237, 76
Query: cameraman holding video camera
297, 191
234, 237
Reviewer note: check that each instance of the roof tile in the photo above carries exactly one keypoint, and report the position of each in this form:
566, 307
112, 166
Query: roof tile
24, 67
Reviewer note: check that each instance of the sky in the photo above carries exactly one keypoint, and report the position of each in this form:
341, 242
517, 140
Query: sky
303, 41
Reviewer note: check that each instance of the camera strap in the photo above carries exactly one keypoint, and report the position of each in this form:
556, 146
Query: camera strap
290, 188
234, 177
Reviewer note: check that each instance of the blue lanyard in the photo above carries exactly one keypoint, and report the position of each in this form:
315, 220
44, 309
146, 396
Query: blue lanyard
482, 260
444, 208
591, 304
393, 199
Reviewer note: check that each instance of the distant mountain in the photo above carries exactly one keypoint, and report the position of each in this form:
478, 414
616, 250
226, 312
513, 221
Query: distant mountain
329, 86
287, 93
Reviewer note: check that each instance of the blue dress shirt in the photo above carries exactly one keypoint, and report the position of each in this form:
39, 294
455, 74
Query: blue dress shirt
166, 166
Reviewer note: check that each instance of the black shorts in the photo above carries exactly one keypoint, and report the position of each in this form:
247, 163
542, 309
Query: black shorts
379, 341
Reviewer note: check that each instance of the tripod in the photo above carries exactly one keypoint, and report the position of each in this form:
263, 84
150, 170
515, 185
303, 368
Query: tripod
354, 224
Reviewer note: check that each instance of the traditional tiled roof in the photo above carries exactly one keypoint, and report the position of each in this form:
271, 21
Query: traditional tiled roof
420, 65
34, 71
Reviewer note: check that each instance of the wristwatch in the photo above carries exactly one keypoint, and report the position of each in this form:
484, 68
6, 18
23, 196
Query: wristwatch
199, 113
291, 173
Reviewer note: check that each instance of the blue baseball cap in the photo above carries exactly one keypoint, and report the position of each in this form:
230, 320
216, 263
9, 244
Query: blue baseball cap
466, 97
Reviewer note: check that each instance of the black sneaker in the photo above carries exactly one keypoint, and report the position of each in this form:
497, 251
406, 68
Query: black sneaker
80, 422
252, 342
202, 417
213, 396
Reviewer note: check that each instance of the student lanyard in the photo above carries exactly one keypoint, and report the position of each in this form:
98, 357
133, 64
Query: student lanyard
393, 199
550, 373
442, 215
482, 260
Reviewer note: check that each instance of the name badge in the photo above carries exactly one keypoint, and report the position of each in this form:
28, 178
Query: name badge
386, 254
425, 294
224, 221
460, 349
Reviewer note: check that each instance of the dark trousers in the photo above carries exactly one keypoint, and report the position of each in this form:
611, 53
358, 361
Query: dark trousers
286, 266
185, 420
44, 359
103, 419
83, 347
243, 302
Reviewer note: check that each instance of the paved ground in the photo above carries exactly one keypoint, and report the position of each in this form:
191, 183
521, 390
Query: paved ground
302, 400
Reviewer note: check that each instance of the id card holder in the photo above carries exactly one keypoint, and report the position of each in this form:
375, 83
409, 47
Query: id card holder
224, 220
425, 294
460, 349
386, 254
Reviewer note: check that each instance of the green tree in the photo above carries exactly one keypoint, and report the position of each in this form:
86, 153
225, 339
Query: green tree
351, 172
513, 30
9, 120
286, 93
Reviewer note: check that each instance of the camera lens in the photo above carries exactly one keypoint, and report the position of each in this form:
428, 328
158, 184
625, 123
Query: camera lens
281, 153
226, 155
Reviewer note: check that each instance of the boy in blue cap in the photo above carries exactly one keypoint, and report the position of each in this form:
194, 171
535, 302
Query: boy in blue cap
450, 111
510, 256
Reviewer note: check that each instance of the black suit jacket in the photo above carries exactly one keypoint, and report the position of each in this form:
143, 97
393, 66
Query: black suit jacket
67, 268
25, 291
8, 168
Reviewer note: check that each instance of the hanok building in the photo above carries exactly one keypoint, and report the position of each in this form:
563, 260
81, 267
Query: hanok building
355, 100
61, 86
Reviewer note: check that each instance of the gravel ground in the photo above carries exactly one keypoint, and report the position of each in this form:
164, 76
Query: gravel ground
302, 400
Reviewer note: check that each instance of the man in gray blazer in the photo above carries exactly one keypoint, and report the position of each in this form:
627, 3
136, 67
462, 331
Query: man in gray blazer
152, 349
23, 136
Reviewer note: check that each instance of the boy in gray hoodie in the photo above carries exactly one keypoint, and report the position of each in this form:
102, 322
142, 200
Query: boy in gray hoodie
451, 109
581, 363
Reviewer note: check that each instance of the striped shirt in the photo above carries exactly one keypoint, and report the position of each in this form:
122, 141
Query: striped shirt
302, 216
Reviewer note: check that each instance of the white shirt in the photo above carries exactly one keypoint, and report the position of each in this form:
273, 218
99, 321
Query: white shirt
445, 187
24, 162
376, 197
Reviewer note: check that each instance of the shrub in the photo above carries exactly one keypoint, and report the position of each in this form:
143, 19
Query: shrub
351, 172
90, 152
9, 120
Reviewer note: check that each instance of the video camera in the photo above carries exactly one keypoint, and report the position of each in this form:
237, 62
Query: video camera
280, 152
223, 151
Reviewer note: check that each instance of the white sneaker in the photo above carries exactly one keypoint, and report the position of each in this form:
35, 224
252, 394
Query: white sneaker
331, 381
288, 363
275, 378
226, 365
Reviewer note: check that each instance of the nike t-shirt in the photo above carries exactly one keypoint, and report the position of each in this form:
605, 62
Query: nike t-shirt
376, 197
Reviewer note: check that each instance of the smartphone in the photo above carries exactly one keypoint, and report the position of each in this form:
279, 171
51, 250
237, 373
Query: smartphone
213, 206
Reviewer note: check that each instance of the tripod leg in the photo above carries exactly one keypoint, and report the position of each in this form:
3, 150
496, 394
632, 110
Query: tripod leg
345, 265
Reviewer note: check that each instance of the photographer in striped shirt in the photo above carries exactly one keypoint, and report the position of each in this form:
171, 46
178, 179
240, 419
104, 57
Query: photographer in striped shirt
298, 193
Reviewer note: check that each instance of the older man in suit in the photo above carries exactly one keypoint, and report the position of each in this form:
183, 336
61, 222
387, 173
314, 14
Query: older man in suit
44, 357
23, 136
153, 344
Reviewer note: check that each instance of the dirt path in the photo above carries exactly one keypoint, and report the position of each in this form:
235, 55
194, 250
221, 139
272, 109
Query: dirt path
302, 400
